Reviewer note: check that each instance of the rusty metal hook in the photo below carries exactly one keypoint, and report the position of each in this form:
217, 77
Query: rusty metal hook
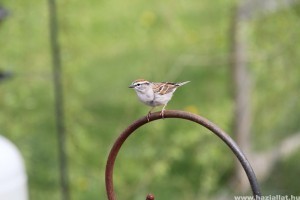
182, 115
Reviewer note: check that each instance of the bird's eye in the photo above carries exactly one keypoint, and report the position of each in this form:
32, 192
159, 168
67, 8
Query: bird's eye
138, 84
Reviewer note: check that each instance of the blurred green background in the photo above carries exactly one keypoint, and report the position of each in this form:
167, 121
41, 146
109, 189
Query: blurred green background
108, 44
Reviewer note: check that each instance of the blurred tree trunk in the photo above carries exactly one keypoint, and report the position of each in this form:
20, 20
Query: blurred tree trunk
242, 88
262, 162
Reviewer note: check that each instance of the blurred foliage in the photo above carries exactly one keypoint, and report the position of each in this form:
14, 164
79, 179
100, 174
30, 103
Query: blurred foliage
105, 46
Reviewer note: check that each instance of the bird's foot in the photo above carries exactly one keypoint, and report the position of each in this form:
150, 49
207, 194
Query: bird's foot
162, 114
148, 116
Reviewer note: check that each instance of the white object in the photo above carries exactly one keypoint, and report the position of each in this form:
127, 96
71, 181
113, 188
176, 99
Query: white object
13, 179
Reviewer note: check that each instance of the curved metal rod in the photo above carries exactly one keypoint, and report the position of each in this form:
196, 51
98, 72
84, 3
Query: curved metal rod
183, 115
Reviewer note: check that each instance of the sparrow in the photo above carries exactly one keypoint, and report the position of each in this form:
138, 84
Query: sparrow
155, 93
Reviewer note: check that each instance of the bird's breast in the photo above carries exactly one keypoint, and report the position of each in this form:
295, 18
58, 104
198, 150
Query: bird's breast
146, 98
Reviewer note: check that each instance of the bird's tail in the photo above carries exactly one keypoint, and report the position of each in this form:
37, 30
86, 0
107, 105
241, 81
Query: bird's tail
182, 83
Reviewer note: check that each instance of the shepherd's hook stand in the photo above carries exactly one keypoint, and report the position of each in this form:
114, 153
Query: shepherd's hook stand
182, 115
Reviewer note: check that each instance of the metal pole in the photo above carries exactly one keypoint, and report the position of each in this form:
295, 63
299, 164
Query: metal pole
59, 100
183, 115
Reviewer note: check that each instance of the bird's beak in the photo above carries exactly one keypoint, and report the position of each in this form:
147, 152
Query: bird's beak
131, 86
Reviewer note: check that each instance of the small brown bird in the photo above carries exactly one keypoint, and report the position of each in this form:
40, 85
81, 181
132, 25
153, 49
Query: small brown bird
155, 94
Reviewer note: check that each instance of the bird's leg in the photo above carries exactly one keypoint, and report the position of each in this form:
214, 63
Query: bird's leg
162, 111
149, 114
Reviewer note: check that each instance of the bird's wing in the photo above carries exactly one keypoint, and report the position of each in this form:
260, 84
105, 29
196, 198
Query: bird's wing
164, 87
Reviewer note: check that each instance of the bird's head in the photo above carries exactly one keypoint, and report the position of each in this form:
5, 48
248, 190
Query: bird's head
140, 85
